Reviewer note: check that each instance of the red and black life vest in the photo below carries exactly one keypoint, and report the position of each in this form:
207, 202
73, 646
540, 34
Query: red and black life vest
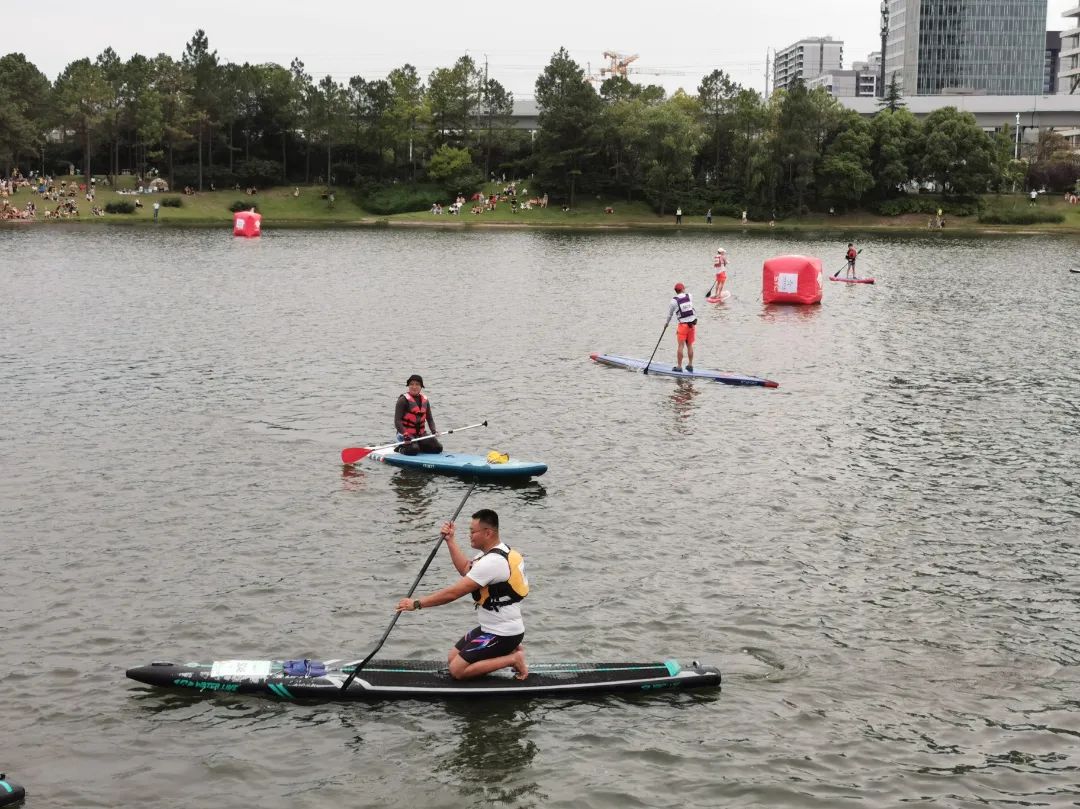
851, 253
416, 415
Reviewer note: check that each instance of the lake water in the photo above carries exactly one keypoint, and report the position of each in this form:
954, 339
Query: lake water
881, 555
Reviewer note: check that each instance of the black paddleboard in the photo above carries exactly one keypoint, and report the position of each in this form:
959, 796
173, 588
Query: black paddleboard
419, 679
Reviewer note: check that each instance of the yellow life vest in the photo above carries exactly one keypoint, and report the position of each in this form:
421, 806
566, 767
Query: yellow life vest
504, 593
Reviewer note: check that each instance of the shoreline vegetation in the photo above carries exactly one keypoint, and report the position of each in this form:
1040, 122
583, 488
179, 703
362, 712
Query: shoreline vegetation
310, 207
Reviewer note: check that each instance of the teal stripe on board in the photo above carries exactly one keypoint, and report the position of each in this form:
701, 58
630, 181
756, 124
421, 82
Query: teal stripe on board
6, 786
540, 669
673, 667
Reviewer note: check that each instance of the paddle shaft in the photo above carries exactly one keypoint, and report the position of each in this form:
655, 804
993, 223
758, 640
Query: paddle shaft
354, 454
415, 584
835, 274
666, 323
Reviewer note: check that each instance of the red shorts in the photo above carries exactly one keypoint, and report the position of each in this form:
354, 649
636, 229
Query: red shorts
721, 276
686, 333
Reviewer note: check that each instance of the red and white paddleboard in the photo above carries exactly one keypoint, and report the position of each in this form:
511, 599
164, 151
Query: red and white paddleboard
723, 296
853, 280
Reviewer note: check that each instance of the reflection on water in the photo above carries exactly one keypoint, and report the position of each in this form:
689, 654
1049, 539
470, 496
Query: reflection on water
353, 478
416, 491
682, 402
492, 752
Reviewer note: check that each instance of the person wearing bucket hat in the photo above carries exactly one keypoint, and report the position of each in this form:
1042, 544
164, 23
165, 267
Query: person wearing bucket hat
413, 419
683, 306
720, 265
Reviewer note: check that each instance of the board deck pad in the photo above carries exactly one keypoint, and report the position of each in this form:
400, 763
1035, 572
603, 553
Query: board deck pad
662, 369
853, 280
421, 679
723, 296
455, 463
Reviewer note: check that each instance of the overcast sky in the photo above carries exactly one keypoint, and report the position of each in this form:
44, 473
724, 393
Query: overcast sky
682, 41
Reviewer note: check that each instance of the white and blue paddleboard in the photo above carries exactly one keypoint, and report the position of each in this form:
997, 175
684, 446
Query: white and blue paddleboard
659, 369
454, 463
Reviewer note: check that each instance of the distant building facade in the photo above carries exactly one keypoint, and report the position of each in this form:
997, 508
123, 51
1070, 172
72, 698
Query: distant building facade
861, 80
992, 47
807, 59
1069, 56
1051, 62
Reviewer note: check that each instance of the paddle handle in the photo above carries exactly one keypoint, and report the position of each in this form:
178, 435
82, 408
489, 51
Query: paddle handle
415, 584
354, 454
667, 322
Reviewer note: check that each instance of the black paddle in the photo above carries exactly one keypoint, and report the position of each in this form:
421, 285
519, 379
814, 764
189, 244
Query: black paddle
709, 293
666, 322
845, 264
420, 575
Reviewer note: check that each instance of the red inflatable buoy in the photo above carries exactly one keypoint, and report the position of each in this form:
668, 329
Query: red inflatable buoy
791, 279
247, 223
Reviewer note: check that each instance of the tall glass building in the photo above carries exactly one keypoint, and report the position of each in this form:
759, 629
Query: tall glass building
996, 47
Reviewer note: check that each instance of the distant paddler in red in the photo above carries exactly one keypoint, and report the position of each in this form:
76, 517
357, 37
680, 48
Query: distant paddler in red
720, 265
851, 255
413, 419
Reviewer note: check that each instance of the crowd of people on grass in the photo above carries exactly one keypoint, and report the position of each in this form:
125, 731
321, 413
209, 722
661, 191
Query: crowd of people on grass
482, 203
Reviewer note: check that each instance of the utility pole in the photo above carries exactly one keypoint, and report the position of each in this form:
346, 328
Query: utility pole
487, 103
1016, 148
766, 73
884, 41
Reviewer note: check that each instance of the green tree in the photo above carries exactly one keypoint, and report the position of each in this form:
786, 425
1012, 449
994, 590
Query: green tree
201, 65
893, 99
570, 112
407, 118
957, 153
749, 118
112, 113
672, 135
845, 171
496, 107
141, 110
327, 114
453, 169
716, 94
894, 154
805, 120
25, 99
174, 97
454, 98
82, 96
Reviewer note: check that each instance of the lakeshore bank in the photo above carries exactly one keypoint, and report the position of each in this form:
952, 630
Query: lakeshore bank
310, 208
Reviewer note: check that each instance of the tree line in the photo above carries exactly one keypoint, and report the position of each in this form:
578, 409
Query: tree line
200, 120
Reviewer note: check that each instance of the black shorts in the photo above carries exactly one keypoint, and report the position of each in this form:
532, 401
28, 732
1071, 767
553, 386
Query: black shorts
480, 645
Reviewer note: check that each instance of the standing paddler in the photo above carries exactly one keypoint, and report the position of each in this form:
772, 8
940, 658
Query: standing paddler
683, 306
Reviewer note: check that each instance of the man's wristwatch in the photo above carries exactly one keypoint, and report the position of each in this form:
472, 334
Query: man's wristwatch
416, 605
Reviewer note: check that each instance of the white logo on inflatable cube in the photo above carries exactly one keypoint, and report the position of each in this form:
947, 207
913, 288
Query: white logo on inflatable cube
787, 282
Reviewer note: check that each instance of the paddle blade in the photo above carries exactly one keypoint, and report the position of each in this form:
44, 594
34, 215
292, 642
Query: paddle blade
354, 454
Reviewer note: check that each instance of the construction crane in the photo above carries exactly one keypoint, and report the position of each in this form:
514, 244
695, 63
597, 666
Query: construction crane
618, 64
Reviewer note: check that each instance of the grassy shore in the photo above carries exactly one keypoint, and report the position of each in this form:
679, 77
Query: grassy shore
311, 208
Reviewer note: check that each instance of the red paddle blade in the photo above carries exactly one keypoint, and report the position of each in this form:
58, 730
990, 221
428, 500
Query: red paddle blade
354, 454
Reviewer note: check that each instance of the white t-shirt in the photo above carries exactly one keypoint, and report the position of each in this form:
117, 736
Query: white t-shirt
492, 568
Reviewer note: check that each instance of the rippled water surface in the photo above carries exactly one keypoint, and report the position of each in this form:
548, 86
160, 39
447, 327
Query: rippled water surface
881, 555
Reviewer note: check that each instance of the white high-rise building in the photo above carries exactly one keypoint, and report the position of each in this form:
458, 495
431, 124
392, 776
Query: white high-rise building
1069, 56
807, 59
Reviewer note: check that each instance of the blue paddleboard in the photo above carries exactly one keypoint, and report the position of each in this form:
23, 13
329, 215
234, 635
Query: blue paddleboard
454, 463
660, 369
